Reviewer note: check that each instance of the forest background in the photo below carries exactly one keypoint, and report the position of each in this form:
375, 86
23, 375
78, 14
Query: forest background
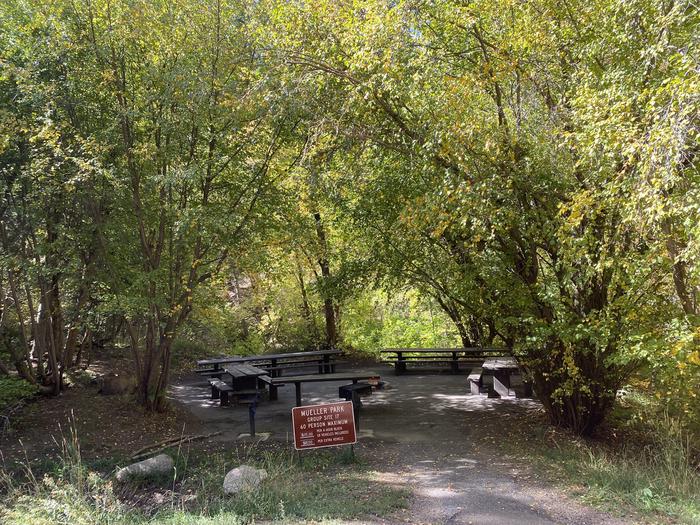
190, 178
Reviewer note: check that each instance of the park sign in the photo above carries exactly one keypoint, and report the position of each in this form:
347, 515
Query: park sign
327, 425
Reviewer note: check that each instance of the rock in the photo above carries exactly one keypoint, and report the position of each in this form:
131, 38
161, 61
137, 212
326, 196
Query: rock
156, 466
243, 478
115, 384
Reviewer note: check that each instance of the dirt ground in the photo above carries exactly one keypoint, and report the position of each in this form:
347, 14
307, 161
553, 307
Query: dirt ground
106, 426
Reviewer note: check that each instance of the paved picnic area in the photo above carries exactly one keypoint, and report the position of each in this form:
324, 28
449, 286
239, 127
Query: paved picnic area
424, 432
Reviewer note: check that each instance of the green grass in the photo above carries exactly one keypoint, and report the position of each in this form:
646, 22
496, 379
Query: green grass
321, 487
652, 469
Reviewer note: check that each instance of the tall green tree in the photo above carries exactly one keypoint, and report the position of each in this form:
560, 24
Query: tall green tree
482, 192
177, 100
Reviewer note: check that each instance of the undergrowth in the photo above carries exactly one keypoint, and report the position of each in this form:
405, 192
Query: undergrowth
647, 463
323, 486
13, 390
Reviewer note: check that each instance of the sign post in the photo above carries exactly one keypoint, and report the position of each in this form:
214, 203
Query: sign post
327, 425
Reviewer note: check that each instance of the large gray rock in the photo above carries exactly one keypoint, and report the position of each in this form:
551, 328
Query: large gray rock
159, 465
243, 478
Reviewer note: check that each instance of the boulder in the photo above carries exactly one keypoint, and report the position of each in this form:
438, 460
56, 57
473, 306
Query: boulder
115, 384
159, 465
243, 478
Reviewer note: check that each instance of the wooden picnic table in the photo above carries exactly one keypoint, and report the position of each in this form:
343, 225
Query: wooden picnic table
216, 362
277, 361
341, 376
501, 369
451, 356
243, 371
245, 378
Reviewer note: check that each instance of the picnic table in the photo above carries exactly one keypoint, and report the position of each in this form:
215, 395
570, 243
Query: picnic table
400, 357
501, 370
354, 393
499, 377
340, 376
275, 363
245, 376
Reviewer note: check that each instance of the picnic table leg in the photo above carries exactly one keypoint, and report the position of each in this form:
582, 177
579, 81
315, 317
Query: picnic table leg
501, 382
273, 371
273, 392
356, 403
455, 363
321, 366
400, 365
487, 381
297, 387
326, 364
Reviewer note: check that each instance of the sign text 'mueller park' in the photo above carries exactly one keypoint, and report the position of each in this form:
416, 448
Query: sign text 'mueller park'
328, 425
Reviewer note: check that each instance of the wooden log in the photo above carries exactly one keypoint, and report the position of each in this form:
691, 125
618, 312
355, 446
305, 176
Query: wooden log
171, 442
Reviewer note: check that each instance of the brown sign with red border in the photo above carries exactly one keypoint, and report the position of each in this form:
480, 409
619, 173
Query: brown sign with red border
327, 425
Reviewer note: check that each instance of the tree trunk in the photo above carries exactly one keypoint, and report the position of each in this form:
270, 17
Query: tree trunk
305, 308
576, 387
328, 307
448, 307
23, 362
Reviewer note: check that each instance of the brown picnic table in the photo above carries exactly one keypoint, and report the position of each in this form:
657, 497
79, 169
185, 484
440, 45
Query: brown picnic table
276, 363
340, 376
473, 356
353, 391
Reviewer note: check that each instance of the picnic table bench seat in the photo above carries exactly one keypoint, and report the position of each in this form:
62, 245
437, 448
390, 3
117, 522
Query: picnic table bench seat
220, 391
362, 389
202, 370
273, 388
211, 373
291, 365
474, 380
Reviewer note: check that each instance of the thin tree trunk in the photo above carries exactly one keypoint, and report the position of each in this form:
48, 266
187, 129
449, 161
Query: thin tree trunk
26, 373
328, 309
306, 309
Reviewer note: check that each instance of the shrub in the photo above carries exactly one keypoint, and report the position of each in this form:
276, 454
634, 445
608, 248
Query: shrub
13, 390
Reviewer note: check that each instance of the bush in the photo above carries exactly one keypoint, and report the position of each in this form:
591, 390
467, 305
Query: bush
649, 463
13, 390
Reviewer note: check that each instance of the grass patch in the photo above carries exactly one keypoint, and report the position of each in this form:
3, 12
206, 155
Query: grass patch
648, 465
322, 487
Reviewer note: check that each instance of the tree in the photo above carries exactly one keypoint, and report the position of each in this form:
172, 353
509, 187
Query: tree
475, 105
173, 95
